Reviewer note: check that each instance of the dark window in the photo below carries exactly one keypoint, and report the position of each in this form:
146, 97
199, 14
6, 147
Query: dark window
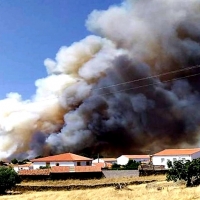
78, 163
57, 164
88, 163
48, 164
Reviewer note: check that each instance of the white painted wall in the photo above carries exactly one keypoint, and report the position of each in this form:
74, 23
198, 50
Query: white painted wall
62, 164
36, 165
103, 161
98, 161
162, 160
122, 160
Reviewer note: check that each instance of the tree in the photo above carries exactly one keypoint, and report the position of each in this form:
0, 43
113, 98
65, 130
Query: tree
188, 171
8, 178
132, 164
115, 166
14, 161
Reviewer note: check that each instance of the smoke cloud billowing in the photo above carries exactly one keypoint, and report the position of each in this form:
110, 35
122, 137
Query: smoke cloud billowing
91, 99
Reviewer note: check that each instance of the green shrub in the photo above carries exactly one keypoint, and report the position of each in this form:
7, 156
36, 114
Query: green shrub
132, 164
188, 171
8, 179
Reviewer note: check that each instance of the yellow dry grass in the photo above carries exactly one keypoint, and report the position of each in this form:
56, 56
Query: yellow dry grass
94, 181
136, 192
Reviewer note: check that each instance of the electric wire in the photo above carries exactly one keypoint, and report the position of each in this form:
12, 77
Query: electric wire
133, 81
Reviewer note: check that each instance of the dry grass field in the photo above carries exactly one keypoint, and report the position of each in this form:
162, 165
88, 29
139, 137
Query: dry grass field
136, 192
94, 181
160, 189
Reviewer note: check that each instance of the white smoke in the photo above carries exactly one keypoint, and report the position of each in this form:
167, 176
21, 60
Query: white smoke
156, 32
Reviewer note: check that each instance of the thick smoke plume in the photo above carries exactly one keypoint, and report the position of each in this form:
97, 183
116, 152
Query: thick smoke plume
97, 97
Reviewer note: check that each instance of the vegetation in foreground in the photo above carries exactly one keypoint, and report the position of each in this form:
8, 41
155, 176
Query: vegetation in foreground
160, 190
8, 178
188, 171
94, 181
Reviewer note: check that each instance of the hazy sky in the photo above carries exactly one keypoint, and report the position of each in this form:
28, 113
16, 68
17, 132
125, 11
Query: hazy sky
32, 30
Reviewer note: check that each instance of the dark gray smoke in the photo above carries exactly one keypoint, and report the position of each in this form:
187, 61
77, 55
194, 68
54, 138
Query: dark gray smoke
127, 90
125, 116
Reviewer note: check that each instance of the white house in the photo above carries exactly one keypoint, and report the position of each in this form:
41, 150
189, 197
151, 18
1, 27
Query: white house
123, 160
162, 157
26, 166
66, 159
104, 161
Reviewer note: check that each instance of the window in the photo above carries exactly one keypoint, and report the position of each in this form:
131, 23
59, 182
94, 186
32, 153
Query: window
57, 164
162, 160
88, 163
47, 164
78, 163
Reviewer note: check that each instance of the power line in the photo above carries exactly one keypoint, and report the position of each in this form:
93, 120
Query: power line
133, 88
141, 86
149, 77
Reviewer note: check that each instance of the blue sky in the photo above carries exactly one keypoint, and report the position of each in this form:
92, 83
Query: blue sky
32, 30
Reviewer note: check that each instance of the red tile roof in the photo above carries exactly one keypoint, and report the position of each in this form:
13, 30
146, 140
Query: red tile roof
62, 158
100, 164
170, 152
87, 169
25, 165
109, 159
62, 169
137, 156
34, 172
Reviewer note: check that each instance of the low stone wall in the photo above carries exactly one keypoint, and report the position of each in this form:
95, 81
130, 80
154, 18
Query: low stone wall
24, 188
152, 172
64, 176
120, 173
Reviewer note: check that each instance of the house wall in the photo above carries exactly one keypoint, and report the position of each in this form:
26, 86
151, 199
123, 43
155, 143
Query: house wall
62, 164
16, 168
103, 161
141, 159
162, 160
98, 161
196, 155
36, 165
122, 160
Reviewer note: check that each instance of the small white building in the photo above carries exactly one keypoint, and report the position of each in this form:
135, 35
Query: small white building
104, 161
123, 160
162, 157
26, 166
66, 159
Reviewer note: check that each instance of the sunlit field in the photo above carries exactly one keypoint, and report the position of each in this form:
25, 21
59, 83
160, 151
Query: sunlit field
160, 190
95, 181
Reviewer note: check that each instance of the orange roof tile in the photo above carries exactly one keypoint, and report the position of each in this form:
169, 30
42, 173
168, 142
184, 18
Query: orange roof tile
137, 156
25, 165
170, 152
61, 169
100, 164
87, 169
109, 159
34, 172
62, 158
